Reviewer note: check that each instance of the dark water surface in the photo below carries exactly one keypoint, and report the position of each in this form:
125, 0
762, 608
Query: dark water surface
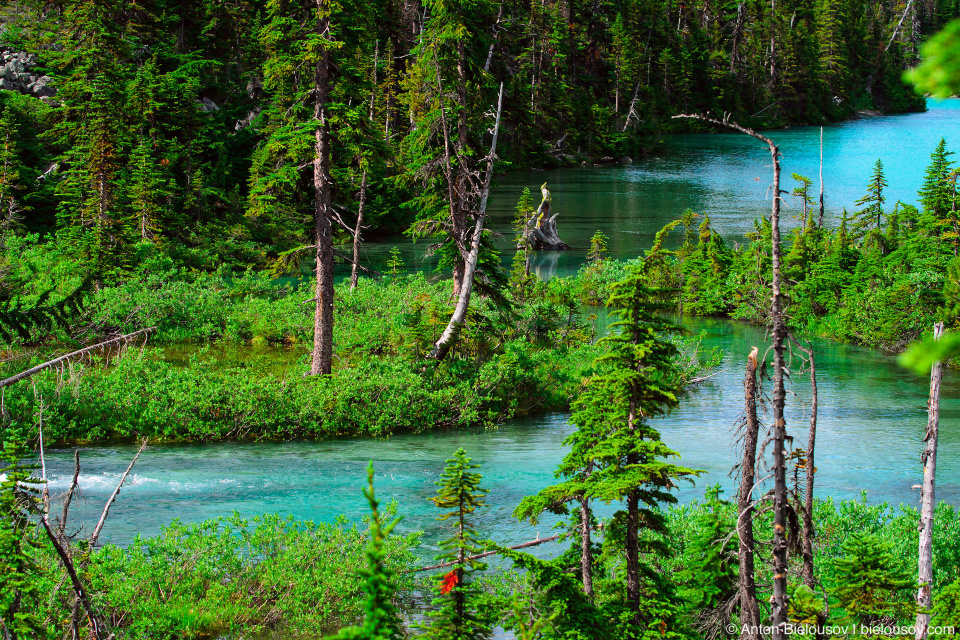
872, 413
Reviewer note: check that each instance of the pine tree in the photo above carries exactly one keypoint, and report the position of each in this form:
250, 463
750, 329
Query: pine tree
447, 90
802, 192
91, 127
872, 213
381, 620
457, 616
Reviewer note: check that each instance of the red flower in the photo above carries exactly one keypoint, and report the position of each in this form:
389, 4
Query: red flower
449, 582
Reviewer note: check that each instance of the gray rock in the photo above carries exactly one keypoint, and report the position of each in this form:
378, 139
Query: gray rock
42, 90
47, 100
207, 105
254, 86
8, 85
247, 121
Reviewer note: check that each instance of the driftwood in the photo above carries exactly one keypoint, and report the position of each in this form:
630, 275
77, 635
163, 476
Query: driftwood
540, 233
524, 545
73, 354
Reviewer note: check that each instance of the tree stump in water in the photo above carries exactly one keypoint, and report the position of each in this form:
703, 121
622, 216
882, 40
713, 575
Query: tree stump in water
541, 229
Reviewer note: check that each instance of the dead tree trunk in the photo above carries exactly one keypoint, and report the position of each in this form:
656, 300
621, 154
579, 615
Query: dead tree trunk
811, 470
586, 553
355, 272
928, 500
541, 231
778, 614
749, 607
322, 360
450, 334
821, 178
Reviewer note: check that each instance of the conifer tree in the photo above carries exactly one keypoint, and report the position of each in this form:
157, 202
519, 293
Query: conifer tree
872, 213
381, 620
870, 584
457, 616
616, 453
936, 192
313, 52
91, 129
802, 192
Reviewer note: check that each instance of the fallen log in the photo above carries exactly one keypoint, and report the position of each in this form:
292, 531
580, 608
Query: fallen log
73, 354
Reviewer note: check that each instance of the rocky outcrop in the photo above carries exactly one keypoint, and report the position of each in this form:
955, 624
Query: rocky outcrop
15, 75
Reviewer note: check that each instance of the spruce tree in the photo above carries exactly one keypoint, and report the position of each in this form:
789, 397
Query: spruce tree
381, 620
457, 616
872, 213
936, 192
314, 72
870, 585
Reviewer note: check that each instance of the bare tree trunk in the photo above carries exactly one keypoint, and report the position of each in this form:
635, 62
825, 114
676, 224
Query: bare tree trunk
354, 274
749, 607
49, 364
633, 518
778, 614
322, 361
450, 334
811, 470
586, 554
928, 500
821, 177
737, 31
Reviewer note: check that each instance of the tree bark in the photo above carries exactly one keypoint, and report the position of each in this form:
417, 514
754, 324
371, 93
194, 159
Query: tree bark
322, 361
928, 500
821, 178
633, 525
749, 607
811, 470
778, 600
354, 273
452, 331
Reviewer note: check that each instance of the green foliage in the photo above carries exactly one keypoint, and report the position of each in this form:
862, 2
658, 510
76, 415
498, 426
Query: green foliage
598, 247
456, 615
711, 575
939, 72
381, 620
872, 213
946, 607
21, 590
871, 585
395, 263
234, 575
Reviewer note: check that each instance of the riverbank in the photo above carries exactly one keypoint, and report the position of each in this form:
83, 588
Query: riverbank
526, 353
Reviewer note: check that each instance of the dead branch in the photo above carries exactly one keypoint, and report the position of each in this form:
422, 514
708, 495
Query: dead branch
106, 509
73, 354
485, 554
69, 497
78, 589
